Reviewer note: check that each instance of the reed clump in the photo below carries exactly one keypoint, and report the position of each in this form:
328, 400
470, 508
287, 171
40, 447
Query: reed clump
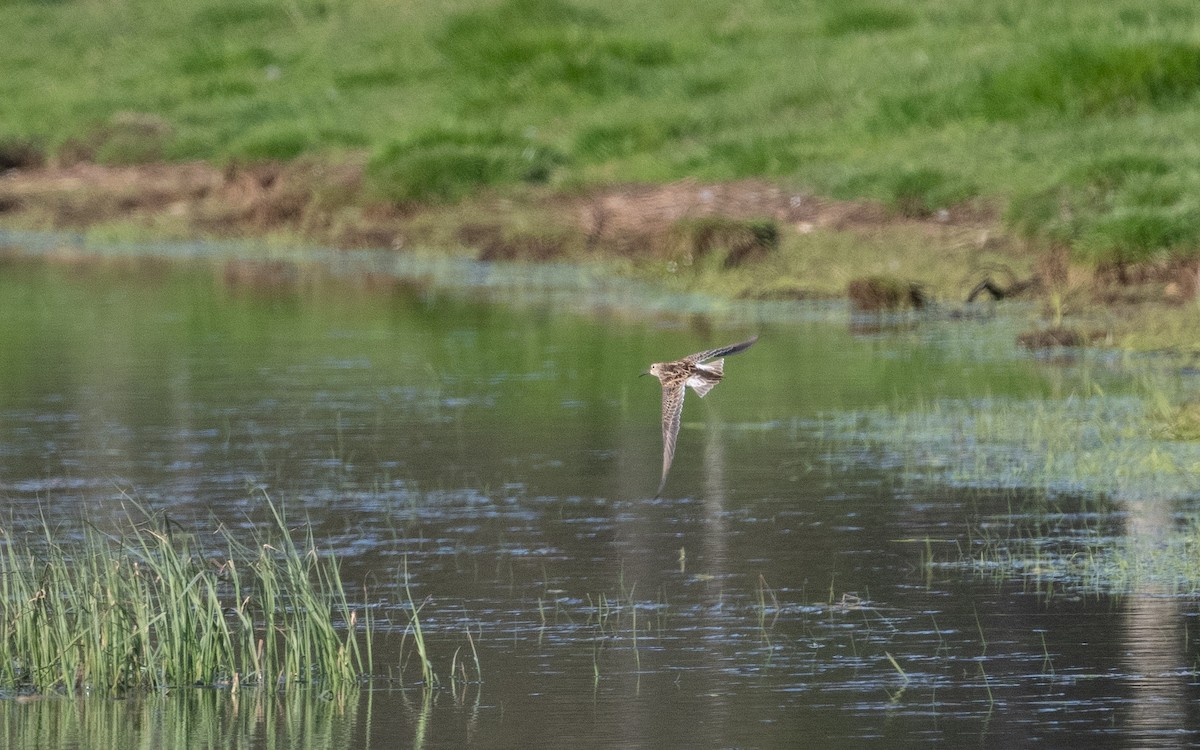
148, 607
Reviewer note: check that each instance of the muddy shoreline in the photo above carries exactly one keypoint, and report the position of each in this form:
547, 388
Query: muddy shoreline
330, 203
648, 226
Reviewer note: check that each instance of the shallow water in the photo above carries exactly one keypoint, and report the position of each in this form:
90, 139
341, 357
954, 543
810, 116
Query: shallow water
497, 439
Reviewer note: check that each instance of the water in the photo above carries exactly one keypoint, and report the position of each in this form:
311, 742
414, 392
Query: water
502, 446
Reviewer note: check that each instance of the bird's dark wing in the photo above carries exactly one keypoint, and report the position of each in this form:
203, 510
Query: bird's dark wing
722, 352
672, 409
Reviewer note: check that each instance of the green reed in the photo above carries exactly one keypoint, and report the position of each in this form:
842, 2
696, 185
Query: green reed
428, 676
147, 607
765, 592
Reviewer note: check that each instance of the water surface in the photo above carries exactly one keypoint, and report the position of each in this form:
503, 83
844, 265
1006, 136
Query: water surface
500, 443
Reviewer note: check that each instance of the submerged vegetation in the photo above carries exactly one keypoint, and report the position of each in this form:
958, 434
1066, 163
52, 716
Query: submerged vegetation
1096, 444
1100, 487
1147, 551
147, 606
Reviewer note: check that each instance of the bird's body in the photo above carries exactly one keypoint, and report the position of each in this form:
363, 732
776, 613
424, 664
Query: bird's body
696, 371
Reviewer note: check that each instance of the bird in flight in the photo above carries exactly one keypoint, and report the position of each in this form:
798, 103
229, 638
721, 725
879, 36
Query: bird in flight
694, 370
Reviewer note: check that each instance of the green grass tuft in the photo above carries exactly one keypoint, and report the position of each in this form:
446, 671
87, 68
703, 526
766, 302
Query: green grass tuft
919, 193
851, 19
446, 165
1089, 79
1136, 235
273, 141
627, 137
223, 16
147, 607
1082, 79
520, 46
750, 156
1114, 210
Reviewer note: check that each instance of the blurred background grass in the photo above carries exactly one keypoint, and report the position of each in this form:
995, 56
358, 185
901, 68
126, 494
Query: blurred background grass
1078, 118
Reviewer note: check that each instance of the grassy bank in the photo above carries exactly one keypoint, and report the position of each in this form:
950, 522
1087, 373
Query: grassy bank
1076, 114
1065, 125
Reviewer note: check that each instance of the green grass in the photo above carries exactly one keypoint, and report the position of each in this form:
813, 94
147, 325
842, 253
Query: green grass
147, 607
451, 164
918, 105
918, 193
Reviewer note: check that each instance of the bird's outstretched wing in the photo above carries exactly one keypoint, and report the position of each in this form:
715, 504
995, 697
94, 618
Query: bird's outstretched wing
672, 409
724, 351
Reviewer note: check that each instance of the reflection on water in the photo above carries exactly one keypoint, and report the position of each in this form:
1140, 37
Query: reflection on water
1154, 639
191, 718
774, 597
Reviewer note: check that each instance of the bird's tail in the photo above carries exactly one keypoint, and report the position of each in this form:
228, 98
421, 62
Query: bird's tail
707, 376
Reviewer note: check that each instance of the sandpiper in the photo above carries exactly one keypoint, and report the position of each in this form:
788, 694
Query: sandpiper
693, 371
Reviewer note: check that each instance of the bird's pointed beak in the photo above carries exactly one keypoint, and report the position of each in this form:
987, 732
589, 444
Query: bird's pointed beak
642, 374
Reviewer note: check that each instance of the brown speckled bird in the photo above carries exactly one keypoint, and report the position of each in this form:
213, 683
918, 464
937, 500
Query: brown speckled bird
691, 370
